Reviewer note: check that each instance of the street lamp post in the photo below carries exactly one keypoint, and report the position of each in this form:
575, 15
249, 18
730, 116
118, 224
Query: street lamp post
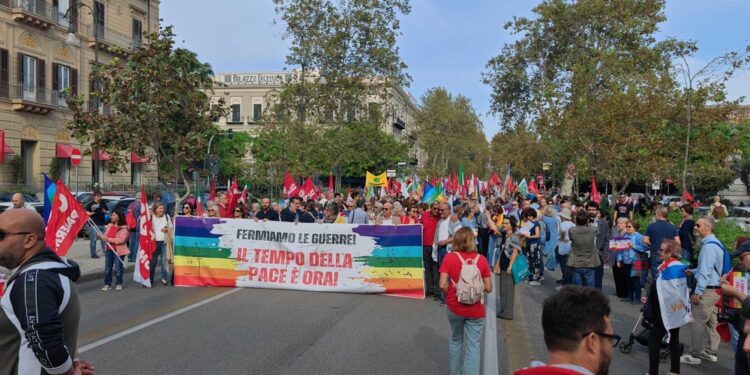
72, 39
208, 152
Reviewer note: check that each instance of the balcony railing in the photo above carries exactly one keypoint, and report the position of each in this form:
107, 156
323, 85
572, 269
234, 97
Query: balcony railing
34, 12
31, 98
235, 121
110, 38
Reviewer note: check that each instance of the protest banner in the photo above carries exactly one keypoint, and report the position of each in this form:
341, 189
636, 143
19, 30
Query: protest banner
316, 257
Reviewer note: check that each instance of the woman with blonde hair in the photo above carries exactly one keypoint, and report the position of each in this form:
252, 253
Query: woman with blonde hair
466, 321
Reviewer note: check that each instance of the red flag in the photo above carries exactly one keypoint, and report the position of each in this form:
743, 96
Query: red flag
330, 182
533, 188
199, 206
67, 218
318, 192
146, 245
290, 187
212, 193
594, 194
686, 197
495, 179
233, 196
307, 190
243, 197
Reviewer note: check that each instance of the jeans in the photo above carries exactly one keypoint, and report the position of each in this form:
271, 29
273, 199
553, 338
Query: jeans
158, 254
442, 251
463, 348
92, 239
584, 276
634, 288
430, 271
133, 246
109, 260
566, 276
550, 248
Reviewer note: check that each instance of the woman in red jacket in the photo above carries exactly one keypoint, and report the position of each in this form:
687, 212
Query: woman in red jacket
116, 235
467, 321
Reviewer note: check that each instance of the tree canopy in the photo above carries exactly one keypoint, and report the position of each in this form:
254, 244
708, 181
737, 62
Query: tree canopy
154, 104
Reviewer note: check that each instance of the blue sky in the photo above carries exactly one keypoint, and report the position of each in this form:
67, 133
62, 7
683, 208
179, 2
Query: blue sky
445, 42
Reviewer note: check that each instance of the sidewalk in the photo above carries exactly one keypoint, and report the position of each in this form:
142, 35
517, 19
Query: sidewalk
91, 269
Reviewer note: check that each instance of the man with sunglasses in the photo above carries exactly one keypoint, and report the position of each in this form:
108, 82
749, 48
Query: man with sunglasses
578, 333
40, 308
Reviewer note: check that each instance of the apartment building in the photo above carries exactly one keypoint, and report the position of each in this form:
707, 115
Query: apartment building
249, 95
47, 48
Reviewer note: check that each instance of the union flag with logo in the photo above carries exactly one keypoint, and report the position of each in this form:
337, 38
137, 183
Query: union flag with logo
66, 219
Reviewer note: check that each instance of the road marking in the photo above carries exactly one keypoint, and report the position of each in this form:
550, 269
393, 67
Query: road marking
519, 353
490, 336
151, 322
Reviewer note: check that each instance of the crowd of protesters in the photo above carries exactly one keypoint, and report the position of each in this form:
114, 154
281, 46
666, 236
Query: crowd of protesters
580, 237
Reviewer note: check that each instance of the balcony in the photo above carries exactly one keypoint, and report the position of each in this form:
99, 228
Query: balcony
111, 41
30, 98
399, 123
235, 121
37, 13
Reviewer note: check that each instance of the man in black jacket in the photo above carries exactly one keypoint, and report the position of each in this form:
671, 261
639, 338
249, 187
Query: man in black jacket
40, 308
266, 213
291, 213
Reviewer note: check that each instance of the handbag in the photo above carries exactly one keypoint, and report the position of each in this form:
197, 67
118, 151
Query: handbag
520, 269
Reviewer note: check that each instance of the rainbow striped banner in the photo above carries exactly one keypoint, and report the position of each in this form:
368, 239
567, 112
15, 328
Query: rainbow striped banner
317, 257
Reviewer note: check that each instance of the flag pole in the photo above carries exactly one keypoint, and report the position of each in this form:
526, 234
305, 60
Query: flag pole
96, 229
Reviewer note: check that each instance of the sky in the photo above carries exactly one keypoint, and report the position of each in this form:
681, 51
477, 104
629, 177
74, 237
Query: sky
445, 43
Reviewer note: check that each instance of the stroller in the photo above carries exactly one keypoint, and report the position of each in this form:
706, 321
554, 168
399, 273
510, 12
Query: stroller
641, 333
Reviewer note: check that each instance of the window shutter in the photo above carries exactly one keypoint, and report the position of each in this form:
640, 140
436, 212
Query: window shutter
55, 76
73, 20
74, 81
4, 81
41, 80
20, 67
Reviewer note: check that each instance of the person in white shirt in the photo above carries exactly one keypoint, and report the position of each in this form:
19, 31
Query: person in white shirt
442, 239
18, 202
160, 223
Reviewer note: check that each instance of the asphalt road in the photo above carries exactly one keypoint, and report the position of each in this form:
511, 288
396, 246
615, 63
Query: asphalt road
262, 331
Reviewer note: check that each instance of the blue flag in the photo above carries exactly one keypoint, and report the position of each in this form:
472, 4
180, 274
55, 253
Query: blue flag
49, 193
430, 193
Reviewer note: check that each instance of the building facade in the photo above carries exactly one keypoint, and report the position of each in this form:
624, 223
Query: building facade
48, 48
250, 95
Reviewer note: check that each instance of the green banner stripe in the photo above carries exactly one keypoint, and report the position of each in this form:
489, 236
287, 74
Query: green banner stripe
202, 252
399, 262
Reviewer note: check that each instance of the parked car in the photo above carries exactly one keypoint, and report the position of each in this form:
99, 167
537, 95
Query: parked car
740, 216
39, 207
7, 197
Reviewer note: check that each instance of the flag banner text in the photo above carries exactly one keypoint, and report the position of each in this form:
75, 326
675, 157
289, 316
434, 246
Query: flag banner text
316, 257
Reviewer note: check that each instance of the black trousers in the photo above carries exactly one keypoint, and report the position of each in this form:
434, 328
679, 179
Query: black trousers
741, 360
622, 277
484, 241
654, 342
430, 271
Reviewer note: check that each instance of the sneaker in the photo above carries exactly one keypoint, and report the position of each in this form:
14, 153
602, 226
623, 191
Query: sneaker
442, 302
94, 257
558, 287
541, 278
164, 282
118, 287
707, 355
690, 360
106, 288
535, 283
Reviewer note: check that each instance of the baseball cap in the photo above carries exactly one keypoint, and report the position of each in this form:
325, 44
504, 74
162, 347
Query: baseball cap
743, 248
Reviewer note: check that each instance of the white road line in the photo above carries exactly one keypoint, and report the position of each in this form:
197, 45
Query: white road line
490, 334
151, 322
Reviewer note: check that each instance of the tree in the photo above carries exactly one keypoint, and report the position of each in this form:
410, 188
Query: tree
159, 107
521, 149
347, 57
450, 132
231, 152
590, 78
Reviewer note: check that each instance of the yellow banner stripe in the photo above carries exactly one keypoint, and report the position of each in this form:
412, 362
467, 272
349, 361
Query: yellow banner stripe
395, 273
205, 262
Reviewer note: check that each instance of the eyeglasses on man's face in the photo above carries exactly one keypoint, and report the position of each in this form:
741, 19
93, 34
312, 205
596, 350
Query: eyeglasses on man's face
4, 234
613, 338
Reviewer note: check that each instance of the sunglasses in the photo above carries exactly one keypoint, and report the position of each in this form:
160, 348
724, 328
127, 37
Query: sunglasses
237, 210
628, 226
186, 208
3, 234
698, 225
613, 339
210, 210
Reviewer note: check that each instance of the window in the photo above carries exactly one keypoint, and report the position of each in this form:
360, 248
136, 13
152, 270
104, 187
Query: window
64, 78
28, 77
236, 113
4, 67
137, 33
99, 19
60, 7
257, 112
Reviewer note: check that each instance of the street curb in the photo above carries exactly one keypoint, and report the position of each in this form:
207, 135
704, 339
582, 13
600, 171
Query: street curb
517, 338
91, 276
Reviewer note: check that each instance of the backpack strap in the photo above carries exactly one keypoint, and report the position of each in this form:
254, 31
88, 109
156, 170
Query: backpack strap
721, 255
463, 261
